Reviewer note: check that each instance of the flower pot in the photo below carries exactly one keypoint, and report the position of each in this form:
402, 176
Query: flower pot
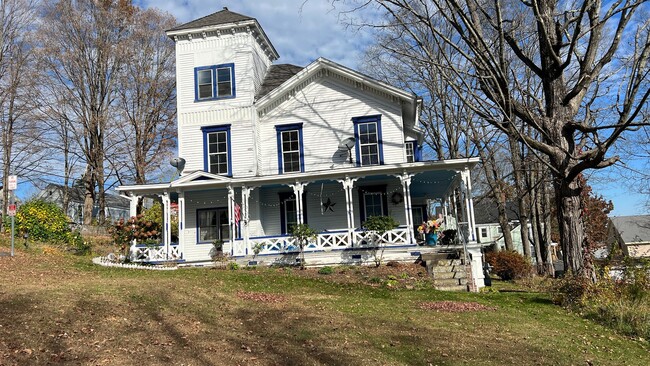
431, 239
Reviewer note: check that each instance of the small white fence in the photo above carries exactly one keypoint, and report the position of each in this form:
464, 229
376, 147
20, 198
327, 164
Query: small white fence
156, 253
325, 241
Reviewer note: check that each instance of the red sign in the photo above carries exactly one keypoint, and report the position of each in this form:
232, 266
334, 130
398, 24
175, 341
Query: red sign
11, 210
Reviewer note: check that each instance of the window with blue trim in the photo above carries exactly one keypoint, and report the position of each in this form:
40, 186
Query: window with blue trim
367, 133
216, 147
290, 148
214, 82
372, 202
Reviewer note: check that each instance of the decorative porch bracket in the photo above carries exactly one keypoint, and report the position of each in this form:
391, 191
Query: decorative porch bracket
348, 184
405, 178
298, 190
245, 197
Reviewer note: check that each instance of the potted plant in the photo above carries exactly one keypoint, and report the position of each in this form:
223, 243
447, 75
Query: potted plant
432, 230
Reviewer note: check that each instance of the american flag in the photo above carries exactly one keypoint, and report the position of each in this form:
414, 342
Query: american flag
237, 213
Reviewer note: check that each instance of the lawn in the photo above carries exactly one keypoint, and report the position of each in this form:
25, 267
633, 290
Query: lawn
57, 308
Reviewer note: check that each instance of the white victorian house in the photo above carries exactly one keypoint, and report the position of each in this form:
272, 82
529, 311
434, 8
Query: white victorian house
270, 145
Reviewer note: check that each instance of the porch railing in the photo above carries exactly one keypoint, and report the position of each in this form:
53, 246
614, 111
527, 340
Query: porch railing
154, 253
330, 240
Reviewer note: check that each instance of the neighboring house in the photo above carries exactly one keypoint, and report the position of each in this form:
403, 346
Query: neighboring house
116, 207
489, 231
268, 146
631, 234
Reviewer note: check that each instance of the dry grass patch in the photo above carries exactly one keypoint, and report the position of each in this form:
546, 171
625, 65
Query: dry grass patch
454, 306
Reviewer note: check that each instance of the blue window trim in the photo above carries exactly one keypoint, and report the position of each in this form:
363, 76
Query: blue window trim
417, 150
380, 147
207, 130
214, 82
283, 196
289, 127
362, 200
198, 229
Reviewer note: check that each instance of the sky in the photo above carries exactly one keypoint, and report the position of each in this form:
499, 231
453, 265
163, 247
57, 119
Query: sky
304, 30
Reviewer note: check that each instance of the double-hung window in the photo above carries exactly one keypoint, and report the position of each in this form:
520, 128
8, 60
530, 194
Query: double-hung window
412, 151
216, 147
212, 224
290, 148
367, 133
373, 201
214, 82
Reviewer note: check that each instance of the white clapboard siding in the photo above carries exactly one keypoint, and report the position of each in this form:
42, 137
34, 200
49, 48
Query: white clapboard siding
326, 109
193, 202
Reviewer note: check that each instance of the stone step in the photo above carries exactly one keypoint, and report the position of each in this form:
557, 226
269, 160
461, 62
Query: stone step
449, 282
439, 269
447, 275
449, 262
459, 288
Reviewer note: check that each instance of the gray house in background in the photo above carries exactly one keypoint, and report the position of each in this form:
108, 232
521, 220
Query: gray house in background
488, 229
116, 207
631, 234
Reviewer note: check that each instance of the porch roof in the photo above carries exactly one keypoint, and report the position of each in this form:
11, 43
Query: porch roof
202, 180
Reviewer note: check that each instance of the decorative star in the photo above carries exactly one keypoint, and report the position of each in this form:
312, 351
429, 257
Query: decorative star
329, 205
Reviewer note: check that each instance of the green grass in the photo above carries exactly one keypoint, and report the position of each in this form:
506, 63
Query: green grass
61, 309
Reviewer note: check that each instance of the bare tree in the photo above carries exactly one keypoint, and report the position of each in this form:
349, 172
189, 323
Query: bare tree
146, 98
82, 44
20, 156
589, 58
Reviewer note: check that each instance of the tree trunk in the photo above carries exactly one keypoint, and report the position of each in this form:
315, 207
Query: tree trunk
571, 227
89, 196
505, 225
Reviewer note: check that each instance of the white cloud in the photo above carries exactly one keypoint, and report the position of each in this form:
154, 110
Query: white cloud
300, 30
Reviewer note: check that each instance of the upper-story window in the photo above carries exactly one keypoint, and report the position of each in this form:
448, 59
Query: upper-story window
214, 82
367, 133
412, 151
290, 148
216, 149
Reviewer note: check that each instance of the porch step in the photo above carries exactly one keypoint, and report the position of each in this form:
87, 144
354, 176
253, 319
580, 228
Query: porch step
447, 275
462, 288
449, 262
441, 269
441, 283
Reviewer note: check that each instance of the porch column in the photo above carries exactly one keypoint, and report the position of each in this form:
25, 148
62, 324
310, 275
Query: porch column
298, 190
445, 202
245, 196
133, 204
469, 205
181, 223
231, 219
406, 188
348, 184
166, 202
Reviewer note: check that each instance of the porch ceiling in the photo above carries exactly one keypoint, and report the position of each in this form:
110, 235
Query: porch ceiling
433, 178
433, 184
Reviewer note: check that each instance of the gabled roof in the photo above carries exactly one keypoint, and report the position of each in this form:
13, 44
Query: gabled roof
486, 212
633, 228
276, 75
223, 16
323, 68
77, 195
198, 176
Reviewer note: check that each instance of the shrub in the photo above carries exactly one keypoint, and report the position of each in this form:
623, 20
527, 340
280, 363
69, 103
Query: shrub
137, 227
622, 303
42, 221
233, 266
509, 265
327, 270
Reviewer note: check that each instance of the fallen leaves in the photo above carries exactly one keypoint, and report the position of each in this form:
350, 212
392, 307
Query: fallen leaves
454, 306
261, 297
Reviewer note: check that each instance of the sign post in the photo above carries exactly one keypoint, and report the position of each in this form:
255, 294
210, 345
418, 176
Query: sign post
12, 184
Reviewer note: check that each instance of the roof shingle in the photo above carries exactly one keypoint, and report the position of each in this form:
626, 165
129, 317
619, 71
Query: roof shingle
275, 76
224, 16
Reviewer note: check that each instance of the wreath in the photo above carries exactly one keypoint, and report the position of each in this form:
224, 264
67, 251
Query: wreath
397, 198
